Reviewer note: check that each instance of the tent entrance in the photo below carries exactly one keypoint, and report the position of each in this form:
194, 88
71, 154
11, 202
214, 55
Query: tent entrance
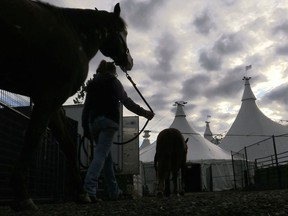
193, 178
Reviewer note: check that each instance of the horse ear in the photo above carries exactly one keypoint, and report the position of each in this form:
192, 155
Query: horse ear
96, 9
117, 9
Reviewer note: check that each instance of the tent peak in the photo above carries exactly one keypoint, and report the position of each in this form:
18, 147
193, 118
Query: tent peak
208, 131
180, 103
180, 111
248, 93
246, 78
146, 141
146, 134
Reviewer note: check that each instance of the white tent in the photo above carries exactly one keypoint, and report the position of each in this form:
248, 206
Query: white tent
208, 134
146, 141
252, 131
214, 163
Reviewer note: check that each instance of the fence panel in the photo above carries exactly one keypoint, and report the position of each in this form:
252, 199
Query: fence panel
49, 176
270, 170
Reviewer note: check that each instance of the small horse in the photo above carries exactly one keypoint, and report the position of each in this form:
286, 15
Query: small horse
170, 157
44, 54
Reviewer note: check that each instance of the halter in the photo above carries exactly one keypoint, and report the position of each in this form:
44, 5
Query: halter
134, 85
126, 50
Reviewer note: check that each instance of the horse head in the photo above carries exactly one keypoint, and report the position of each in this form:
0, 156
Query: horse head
115, 45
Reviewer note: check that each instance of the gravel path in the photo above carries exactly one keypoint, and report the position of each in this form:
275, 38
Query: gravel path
232, 203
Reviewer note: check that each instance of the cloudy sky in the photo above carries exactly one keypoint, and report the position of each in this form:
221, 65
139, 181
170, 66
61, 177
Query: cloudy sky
196, 51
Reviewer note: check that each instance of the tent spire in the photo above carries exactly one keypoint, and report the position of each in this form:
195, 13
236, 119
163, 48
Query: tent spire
208, 133
248, 93
146, 141
146, 134
180, 111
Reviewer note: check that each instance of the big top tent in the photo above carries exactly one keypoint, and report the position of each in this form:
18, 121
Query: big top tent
253, 134
209, 166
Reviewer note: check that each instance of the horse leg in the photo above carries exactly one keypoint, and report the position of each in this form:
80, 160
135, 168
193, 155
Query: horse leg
163, 173
174, 180
59, 126
20, 174
167, 186
183, 175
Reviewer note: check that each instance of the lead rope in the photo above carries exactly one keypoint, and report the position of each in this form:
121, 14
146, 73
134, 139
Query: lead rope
134, 85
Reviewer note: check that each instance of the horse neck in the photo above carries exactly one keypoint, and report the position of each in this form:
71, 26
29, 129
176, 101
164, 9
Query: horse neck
91, 26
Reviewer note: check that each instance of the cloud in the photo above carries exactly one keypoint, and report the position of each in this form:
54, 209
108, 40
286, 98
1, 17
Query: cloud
281, 28
140, 15
203, 23
228, 44
210, 60
165, 51
282, 50
278, 94
280, 32
193, 87
226, 89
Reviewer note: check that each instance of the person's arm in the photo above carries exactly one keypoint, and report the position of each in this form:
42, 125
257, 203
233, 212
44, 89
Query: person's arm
129, 103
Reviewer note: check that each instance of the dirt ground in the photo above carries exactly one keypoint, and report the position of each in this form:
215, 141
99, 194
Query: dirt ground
232, 203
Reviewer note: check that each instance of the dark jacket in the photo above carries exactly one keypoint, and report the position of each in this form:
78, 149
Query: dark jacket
103, 95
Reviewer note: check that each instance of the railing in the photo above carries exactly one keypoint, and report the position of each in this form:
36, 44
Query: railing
272, 171
267, 172
272, 160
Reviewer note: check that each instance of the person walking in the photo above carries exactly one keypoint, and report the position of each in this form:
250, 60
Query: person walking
100, 121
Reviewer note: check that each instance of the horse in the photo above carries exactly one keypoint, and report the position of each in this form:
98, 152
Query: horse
170, 157
44, 54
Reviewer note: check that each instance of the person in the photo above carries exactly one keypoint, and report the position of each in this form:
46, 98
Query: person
101, 116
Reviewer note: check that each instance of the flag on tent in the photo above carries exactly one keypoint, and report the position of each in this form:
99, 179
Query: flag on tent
248, 67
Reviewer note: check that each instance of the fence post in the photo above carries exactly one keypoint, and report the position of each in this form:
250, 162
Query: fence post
234, 177
255, 164
277, 164
247, 176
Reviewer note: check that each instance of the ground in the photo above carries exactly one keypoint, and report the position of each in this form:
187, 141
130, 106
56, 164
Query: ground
232, 203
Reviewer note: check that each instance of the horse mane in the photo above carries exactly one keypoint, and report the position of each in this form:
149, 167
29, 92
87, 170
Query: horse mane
87, 23
95, 18
45, 4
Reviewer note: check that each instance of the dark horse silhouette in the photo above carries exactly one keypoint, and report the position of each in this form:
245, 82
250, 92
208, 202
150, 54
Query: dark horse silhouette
170, 157
44, 54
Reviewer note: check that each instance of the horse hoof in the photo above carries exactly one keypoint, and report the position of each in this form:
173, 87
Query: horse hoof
25, 206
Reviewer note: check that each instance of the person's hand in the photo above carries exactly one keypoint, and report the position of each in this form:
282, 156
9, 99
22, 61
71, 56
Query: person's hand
149, 115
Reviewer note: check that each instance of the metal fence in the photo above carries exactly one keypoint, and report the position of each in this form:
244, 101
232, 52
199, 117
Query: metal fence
272, 171
267, 172
243, 171
49, 176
